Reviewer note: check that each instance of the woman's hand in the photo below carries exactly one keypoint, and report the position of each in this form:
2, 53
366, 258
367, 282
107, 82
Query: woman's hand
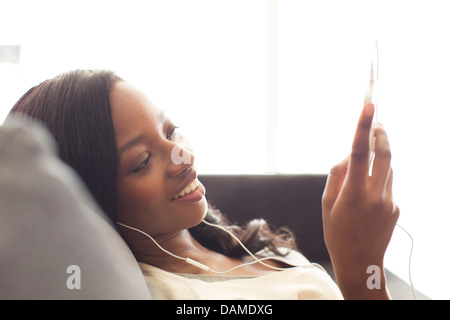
359, 214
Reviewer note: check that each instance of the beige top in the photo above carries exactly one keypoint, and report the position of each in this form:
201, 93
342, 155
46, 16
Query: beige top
303, 281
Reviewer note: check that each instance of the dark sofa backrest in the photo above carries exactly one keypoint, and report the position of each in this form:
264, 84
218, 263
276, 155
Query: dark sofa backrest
283, 200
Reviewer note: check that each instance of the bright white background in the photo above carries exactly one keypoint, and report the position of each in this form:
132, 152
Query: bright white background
263, 86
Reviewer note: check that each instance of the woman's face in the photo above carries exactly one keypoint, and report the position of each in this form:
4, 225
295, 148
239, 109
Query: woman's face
154, 170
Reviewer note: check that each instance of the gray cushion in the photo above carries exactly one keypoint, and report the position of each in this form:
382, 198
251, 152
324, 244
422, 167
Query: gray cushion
49, 223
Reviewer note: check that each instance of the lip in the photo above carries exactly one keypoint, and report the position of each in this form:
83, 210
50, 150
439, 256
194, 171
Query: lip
186, 181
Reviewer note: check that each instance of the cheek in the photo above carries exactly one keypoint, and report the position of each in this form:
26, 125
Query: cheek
139, 201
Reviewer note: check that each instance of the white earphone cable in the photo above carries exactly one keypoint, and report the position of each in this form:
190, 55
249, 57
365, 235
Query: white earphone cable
205, 267
410, 259
151, 238
244, 247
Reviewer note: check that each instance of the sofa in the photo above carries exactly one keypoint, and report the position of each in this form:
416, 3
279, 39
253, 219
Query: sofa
56, 243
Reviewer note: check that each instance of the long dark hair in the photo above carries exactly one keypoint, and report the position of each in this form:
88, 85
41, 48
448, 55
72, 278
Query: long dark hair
75, 107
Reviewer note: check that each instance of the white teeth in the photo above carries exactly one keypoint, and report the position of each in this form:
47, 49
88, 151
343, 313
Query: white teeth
192, 186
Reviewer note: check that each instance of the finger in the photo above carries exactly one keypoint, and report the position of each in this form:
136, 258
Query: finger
361, 148
395, 212
382, 162
389, 184
334, 184
389, 195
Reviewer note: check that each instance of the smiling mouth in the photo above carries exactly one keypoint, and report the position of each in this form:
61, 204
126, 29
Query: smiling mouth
188, 189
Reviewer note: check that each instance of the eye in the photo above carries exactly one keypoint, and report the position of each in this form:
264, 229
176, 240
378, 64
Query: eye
143, 165
171, 133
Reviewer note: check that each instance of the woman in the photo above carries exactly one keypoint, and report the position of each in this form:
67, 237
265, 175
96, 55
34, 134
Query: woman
123, 147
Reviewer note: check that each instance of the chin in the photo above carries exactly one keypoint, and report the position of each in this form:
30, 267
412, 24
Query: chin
192, 208
199, 213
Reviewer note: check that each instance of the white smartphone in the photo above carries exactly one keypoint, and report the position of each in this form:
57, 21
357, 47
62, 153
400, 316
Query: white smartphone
371, 96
